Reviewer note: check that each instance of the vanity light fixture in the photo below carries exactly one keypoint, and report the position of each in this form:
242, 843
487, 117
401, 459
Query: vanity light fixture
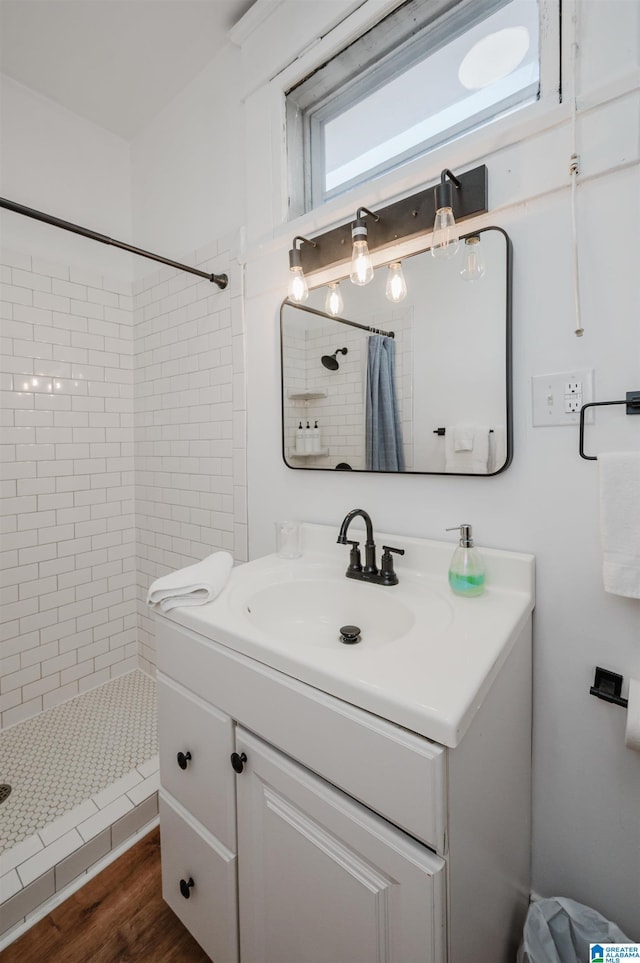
396, 289
361, 264
404, 219
333, 303
298, 288
473, 267
446, 239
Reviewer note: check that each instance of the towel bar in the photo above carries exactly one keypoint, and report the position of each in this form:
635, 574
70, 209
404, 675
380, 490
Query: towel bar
632, 401
441, 431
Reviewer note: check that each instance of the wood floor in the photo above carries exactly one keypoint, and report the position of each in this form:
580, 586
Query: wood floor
118, 917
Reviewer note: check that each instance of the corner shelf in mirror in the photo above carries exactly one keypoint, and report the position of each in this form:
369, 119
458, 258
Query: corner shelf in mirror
308, 454
307, 395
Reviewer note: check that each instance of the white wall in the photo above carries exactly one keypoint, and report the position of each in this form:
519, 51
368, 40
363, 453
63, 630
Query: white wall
59, 163
187, 166
586, 783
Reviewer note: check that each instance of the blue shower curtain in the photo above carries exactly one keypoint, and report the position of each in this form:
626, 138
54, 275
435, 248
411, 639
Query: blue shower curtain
383, 431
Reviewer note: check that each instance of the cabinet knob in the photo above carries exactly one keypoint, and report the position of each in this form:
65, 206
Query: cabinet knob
238, 760
185, 887
183, 759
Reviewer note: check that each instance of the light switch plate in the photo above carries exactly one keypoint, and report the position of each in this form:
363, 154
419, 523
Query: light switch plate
557, 398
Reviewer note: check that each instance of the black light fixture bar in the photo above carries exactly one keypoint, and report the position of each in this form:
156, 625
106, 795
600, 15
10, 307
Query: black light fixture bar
220, 279
399, 221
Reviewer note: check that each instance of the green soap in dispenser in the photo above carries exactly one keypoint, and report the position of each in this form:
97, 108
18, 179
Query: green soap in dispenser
466, 572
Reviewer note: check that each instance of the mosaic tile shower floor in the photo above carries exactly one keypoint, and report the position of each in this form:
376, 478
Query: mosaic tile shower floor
61, 757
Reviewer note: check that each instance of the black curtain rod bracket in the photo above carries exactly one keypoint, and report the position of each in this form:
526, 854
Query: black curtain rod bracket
220, 279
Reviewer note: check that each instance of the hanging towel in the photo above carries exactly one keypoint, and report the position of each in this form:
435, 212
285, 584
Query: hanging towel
620, 522
474, 460
193, 585
497, 448
463, 437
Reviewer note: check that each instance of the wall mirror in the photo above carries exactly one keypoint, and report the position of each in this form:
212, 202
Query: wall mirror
418, 386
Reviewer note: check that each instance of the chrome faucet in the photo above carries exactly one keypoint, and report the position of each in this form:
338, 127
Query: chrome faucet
385, 575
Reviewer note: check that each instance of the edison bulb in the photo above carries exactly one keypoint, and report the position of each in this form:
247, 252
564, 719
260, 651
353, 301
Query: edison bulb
446, 239
396, 289
473, 268
361, 266
333, 303
298, 289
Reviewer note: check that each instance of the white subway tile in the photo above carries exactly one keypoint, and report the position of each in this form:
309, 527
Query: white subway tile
103, 819
47, 858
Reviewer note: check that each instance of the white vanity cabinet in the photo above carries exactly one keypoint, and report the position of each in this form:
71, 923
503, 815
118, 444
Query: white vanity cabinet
345, 838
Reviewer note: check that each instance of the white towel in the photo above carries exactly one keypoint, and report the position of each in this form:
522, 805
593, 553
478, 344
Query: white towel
193, 585
474, 460
620, 522
497, 448
463, 437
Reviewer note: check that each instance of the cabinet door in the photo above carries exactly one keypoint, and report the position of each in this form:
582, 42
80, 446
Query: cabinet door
204, 783
199, 882
324, 880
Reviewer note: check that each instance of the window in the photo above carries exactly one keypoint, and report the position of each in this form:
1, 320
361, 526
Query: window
429, 72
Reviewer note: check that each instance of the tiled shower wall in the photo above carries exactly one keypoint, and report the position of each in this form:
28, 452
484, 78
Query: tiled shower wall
67, 553
189, 423
73, 558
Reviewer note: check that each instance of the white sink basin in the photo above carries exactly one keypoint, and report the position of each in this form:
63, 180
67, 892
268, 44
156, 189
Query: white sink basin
312, 612
425, 656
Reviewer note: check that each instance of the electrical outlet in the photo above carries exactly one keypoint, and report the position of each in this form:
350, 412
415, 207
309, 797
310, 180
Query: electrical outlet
572, 396
558, 398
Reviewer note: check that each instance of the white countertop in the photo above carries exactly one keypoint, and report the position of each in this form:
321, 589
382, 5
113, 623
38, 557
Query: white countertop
433, 677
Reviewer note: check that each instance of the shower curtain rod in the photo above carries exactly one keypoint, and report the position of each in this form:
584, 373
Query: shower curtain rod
334, 317
220, 279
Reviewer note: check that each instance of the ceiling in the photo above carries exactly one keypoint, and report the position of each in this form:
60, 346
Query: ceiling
113, 62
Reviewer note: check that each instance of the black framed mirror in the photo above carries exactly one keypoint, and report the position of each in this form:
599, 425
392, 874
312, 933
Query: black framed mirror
422, 385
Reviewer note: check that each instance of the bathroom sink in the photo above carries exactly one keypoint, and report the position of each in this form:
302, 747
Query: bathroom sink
424, 657
312, 611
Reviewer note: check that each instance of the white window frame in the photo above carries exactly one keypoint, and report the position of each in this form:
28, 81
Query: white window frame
333, 94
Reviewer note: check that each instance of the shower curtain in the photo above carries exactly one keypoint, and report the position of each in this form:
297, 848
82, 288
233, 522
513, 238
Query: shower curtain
384, 450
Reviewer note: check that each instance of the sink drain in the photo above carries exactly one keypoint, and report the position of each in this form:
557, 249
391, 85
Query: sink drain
5, 791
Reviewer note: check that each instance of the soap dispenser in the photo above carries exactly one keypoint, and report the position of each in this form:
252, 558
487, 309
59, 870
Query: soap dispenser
466, 572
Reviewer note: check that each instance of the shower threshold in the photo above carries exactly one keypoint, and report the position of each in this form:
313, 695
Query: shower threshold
84, 786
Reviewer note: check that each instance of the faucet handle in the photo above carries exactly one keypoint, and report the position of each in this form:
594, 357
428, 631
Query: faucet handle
355, 562
386, 566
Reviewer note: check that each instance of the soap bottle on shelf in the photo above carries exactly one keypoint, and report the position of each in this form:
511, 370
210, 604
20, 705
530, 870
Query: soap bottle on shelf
315, 437
300, 439
308, 440
466, 571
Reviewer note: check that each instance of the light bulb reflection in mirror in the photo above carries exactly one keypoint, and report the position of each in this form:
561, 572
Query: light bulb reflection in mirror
333, 303
396, 289
473, 268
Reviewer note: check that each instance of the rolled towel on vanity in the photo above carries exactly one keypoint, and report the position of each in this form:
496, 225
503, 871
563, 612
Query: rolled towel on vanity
193, 585
474, 459
620, 522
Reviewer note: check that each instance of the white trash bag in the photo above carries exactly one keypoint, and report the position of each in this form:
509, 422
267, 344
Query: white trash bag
559, 930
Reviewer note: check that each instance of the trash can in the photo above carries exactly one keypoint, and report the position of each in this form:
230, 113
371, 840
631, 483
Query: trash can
559, 930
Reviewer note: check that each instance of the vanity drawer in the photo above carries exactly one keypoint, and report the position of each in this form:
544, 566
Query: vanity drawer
396, 773
196, 741
209, 906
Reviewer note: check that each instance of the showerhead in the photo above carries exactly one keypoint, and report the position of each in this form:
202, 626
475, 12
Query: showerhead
330, 361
